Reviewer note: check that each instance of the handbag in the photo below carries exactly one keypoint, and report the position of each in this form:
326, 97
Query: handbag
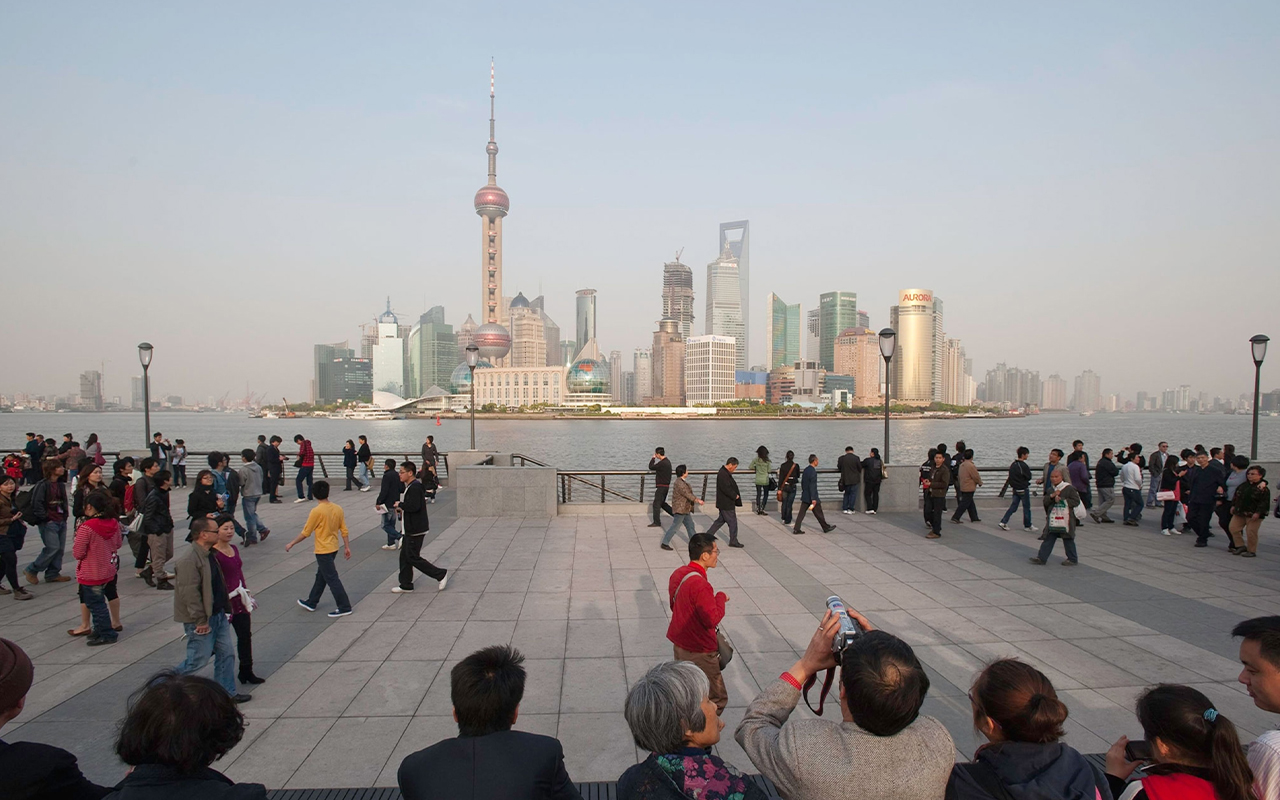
1059, 517
724, 645
298, 464
135, 525
1165, 495
773, 484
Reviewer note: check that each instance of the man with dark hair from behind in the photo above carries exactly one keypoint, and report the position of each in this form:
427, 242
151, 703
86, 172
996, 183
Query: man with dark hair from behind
889, 751
176, 727
28, 770
487, 759
1260, 655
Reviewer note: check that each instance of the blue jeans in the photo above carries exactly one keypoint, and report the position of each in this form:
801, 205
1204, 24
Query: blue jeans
304, 474
363, 474
251, 521
1132, 504
94, 598
54, 537
1049, 538
850, 498
216, 643
676, 521
1152, 489
389, 526
1169, 514
1022, 496
327, 575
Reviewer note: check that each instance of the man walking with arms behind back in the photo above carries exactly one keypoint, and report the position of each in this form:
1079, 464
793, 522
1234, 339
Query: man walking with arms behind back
850, 467
809, 497
696, 610
413, 506
660, 465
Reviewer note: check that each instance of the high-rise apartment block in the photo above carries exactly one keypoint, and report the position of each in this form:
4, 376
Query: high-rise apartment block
740, 249
958, 388
1014, 387
677, 295
616, 386
585, 317
137, 394
857, 353
642, 369
1054, 393
433, 352
667, 365
528, 335
709, 369
91, 390
782, 333
724, 302
917, 361
837, 312
1088, 392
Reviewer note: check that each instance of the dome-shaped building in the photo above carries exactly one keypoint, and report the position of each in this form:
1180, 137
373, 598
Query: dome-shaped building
460, 380
493, 340
588, 376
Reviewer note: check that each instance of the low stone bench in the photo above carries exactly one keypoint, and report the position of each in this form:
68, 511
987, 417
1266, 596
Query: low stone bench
599, 790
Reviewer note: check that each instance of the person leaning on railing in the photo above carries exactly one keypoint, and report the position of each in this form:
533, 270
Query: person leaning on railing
881, 748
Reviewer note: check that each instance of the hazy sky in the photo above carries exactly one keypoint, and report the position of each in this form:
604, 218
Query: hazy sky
1084, 185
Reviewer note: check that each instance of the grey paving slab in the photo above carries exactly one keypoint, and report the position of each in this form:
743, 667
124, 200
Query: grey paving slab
395, 690
352, 753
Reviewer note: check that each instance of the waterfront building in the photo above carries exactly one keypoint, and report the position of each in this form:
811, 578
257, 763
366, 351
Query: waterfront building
388, 354
677, 295
587, 380
724, 303
90, 390
138, 394
666, 383
642, 370
709, 369
1088, 392
1054, 393
751, 385
513, 387
812, 326
864, 321
917, 362
958, 388
837, 312
782, 332
616, 387
1012, 387
433, 352
323, 389
780, 384
629, 389
807, 378
550, 332
857, 353
585, 306
740, 250
528, 335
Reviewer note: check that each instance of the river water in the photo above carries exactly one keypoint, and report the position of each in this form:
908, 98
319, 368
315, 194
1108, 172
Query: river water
700, 443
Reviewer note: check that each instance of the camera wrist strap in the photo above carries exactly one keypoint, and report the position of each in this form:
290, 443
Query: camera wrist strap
822, 696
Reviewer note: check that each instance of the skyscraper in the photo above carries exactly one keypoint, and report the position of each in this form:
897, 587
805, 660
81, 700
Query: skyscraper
586, 318
741, 250
857, 353
1054, 393
616, 387
724, 302
466, 336
1088, 391
666, 385
492, 205
433, 348
550, 333
389, 355
138, 393
782, 333
323, 387
917, 361
677, 295
642, 369
528, 335
955, 384
837, 312
864, 321
91, 390
709, 369
812, 325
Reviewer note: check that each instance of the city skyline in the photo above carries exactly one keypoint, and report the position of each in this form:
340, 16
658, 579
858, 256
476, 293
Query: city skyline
334, 193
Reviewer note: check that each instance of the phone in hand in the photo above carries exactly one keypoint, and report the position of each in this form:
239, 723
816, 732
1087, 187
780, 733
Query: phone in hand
1138, 750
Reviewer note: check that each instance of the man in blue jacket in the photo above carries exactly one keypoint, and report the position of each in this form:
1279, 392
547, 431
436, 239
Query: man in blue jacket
809, 497
1206, 484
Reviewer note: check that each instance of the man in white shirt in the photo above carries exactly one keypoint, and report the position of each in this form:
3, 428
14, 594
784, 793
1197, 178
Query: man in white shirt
1131, 488
1260, 654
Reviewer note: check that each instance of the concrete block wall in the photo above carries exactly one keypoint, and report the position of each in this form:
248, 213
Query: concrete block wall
488, 491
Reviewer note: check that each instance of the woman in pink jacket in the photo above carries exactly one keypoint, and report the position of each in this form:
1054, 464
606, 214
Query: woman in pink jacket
97, 540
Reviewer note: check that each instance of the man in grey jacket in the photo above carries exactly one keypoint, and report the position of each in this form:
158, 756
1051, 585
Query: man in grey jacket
251, 489
882, 748
200, 603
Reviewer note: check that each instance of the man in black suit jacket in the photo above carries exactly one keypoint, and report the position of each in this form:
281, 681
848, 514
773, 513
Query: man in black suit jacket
28, 770
728, 498
413, 509
487, 759
388, 496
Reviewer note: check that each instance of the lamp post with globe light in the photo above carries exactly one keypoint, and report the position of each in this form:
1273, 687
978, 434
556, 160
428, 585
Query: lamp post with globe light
888, 342
1259, 346
473, 358
144, 356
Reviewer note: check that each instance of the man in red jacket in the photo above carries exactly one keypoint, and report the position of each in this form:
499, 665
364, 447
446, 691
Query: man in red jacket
696, 610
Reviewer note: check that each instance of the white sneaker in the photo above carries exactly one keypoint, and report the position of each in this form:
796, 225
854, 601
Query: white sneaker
364, 488
443, 582
1175, 531
398, 590
853, 511
1166, 531
1003, 526
871, 512
300, 500
388, 547
1029, 529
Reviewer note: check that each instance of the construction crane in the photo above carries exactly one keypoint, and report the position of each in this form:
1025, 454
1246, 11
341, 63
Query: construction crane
288, 413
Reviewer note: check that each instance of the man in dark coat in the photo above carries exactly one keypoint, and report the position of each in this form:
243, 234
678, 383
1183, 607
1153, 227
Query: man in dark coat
1207, 483
388, 494
728, 498
809, 498
413, 508
33, 450
660, 465
487, 758
850, 467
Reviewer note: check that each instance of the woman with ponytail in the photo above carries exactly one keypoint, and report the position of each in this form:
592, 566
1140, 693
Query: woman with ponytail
1016, 709
1195, 751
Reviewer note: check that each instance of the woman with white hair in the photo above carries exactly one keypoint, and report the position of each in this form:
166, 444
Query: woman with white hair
672, 715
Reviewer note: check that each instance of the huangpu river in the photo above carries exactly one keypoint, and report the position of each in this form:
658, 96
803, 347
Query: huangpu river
700, 443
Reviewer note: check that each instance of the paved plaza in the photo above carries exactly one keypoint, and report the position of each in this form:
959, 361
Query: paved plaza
583, 597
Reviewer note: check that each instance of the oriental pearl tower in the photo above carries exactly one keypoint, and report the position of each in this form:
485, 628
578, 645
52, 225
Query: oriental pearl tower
492, 205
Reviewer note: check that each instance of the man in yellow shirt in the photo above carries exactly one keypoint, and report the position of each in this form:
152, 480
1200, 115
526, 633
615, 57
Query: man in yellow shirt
326, 520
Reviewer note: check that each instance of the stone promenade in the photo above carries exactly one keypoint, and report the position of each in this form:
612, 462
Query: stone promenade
583, 596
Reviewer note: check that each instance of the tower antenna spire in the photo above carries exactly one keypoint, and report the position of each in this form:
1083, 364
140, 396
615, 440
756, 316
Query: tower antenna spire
492, 149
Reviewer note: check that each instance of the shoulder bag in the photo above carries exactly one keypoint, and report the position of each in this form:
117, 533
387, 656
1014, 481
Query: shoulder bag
724, 646
1059, 517
790, 472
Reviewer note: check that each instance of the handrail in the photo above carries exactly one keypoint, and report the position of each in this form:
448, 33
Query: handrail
202, 456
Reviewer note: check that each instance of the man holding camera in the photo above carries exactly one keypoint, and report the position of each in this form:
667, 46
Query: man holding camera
880, 748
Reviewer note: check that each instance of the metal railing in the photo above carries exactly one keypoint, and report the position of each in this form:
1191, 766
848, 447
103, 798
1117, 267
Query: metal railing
198, 460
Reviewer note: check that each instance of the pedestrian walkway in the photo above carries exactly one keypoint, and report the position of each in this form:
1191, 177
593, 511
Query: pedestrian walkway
584, 598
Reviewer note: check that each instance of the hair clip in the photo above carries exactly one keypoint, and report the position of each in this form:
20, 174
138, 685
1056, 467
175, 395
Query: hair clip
1211, 714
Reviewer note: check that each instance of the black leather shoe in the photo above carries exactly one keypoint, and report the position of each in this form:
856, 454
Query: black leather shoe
241, 698
736, 544
250, 678
667, 547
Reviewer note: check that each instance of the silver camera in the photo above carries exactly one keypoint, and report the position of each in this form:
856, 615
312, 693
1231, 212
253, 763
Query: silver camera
848, 628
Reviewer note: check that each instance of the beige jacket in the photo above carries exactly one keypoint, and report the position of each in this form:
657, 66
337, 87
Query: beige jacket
193, 587
969, 478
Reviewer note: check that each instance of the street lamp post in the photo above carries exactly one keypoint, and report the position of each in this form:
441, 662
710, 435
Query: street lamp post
888, 342
473, 358
1259, 347
144, 356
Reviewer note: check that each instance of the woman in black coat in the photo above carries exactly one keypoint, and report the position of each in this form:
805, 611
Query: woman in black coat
202, 502
349, 461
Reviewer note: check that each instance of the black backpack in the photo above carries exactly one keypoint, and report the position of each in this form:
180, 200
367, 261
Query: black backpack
22, 505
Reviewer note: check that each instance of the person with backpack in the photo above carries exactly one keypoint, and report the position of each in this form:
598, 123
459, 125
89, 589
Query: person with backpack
49, 511
11, 540
1016, 709
157, 521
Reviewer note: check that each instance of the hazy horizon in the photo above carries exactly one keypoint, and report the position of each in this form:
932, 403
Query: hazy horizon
237, 183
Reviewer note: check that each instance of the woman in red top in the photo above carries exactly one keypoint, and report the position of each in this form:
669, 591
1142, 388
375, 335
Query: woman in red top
228, 556
90, 482
96, 543
1195, 751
